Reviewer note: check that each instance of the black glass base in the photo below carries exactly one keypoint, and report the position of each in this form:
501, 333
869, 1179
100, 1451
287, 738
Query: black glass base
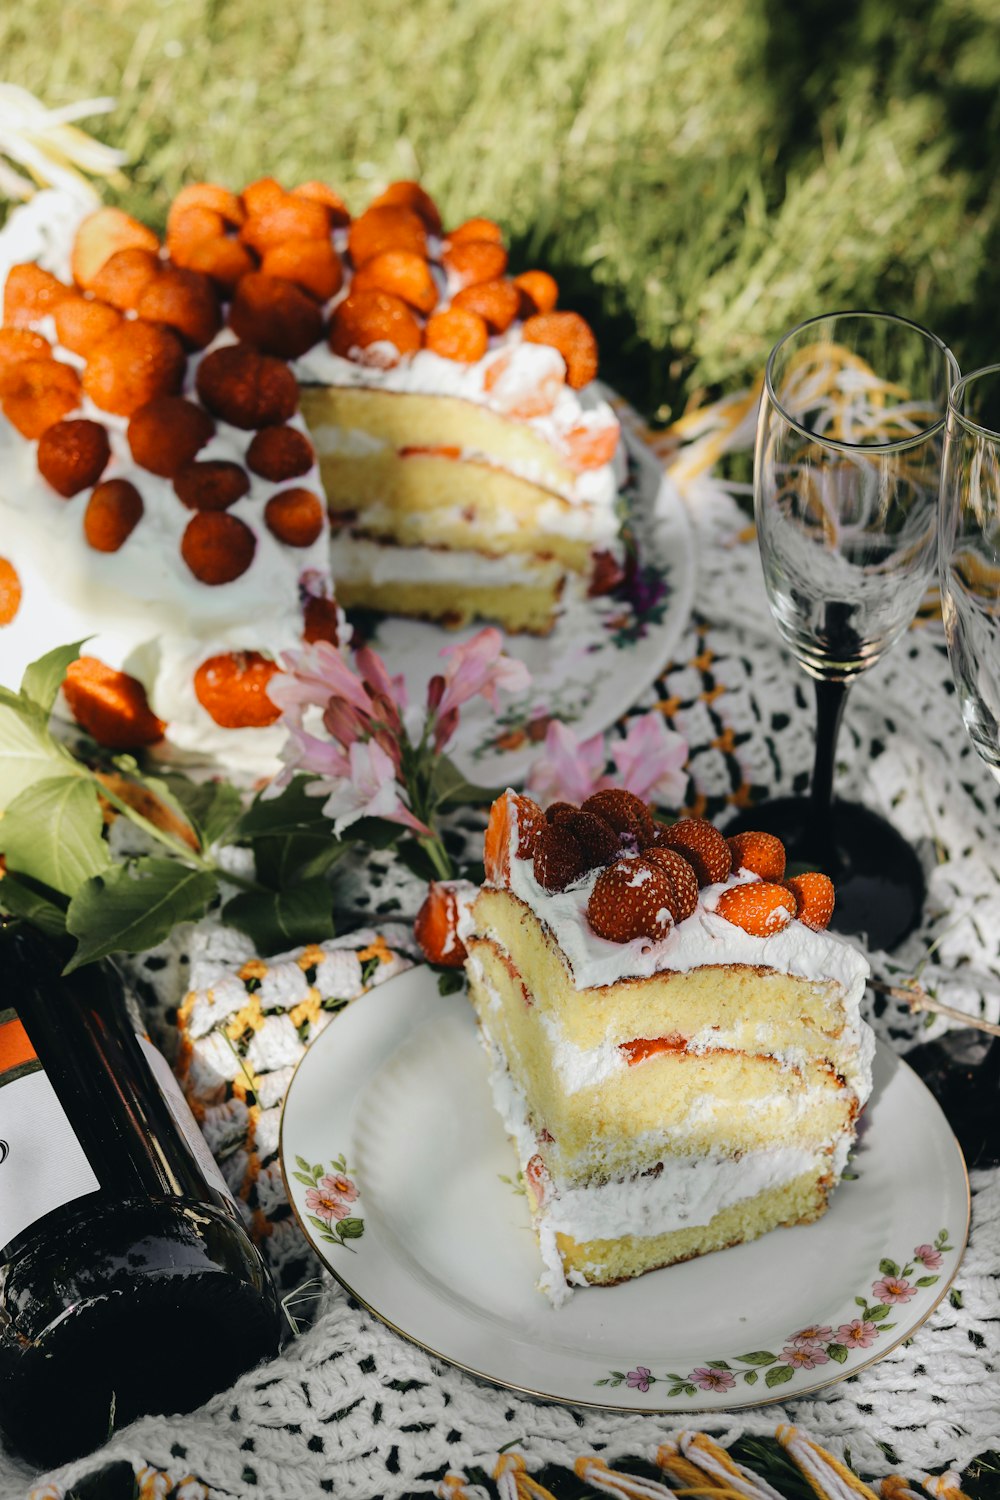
879, 881
962, 1071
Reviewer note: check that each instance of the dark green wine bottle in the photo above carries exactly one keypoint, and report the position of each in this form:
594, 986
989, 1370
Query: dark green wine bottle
128, 1284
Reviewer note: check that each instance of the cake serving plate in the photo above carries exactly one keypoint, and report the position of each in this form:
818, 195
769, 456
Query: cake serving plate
401, 1176
602, 653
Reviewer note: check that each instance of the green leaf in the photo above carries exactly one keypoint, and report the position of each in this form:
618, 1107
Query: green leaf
374, 833
873, 1314
321, 1225
301, 1177
351, 1229
888, 1268
19, 900
927, 1280
677, 1390
716, 1364
133, 907
450, 981
758, 1357
51, 831
291, 811
861, 1301
279, 920
778, 1375
283, 859
28, 752
212, 807
300, 1161
601, 1382
449, 787
43, 678
955, 1297
751, 1376
884, 1327
837, 1352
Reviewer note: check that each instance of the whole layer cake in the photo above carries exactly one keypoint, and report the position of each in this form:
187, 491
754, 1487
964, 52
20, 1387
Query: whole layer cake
675, 1044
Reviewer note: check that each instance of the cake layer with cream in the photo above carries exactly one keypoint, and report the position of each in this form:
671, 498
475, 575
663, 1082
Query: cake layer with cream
676, 1049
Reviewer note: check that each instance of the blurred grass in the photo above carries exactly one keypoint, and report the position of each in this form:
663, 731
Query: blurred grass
699, 176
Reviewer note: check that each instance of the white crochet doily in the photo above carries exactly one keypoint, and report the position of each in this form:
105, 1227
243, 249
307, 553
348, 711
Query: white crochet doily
353, 1410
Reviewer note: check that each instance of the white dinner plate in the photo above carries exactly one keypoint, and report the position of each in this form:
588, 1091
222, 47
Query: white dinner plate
602, 653
400, 1174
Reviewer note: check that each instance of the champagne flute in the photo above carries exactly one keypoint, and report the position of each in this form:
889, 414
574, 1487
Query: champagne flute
846, 473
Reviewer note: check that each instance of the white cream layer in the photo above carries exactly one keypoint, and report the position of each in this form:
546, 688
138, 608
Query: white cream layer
364, 560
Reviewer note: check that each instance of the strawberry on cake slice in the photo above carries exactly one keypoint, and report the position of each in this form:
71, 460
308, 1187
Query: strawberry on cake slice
675, 1041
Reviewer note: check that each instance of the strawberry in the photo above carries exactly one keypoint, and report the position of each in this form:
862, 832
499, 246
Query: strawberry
167, 432
815, 896
436, 927
598, 841
263, 193
536, 1181
412, 196
275, 316
38, 392
113, 512
135, 363
17, 344
285, 218
320, 621
558, 859
72, 456
10, 591
321, 193
631, 899
208, 195
295, 517
476, 229
100, 235
507, 392
472, 261
496, 302
214, 484
760, 907
83, 322
572, 337
373, 317
193, 227
224, 261
607, 575
508, 810
111, 706
313, 265
622, 811
278, 453
386, 228
760, 853
457, 334
185, 301
232, 689
217, 547
591, 447
247, 389
701, 844
556, 811
30, 293
124, 277
404, 274
538, 292
642, 1047
682, 878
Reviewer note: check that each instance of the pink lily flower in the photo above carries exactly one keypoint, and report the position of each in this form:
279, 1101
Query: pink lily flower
566, 771
383, 689
305, 752
480, 667
651, 759
369, 790
314, 675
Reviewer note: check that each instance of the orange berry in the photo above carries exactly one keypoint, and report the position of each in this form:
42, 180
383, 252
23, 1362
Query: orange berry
283, 219
217, 547
815, 896
167, 432
232, 689
313, 265
38, 392
295, 517
508, 810
212, 485
124, 277
321, 193
98, 238
10, 591
513, 400
320, 620
208, 195
262, 193
185, 301
591, 447
572, 336
472, 261
496, 302
761, 853
701, 844
457, 334
224, 261
410, 195
111, 706
388, 228
275, 316
623, 811
132, 365
17, 344
189, 229
683, 880
279, 453
245, 388
760, 908
29, 294
436, 928
82, 323
366, 318
476, 229
631, 899
402, 273
72, 456
113, 512
539, 292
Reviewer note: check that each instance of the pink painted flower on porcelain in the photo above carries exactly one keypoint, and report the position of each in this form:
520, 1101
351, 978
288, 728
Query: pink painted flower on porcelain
326, 1204
651, 760
340, 1186
370, 790
480, 667
713, 1380
928, 1256
893, 1289
804, 1356
858, 1334
566, 771
638, 1379
813, 1335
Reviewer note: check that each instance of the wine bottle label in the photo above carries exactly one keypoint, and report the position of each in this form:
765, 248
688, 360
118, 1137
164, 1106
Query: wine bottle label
42, 1164
183, 1118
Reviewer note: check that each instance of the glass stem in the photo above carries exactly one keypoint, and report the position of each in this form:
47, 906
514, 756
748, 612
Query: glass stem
830, 700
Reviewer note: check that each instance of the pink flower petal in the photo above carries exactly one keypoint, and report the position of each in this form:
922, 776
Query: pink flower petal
650, 760
566, 771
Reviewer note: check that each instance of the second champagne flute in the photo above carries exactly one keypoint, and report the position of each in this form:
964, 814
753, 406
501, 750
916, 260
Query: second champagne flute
846, 472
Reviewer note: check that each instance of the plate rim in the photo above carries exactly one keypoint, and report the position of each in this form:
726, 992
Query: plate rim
674, 1410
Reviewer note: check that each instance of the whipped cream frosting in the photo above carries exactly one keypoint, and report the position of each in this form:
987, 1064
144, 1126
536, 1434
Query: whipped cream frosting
376, 562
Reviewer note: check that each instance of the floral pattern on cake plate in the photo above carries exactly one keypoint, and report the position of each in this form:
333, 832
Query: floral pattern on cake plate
397, 1085
602, 653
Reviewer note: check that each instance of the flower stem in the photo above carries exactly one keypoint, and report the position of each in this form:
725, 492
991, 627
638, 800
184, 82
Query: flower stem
438, 855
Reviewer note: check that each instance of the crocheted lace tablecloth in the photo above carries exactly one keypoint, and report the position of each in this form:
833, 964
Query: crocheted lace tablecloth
350, 1408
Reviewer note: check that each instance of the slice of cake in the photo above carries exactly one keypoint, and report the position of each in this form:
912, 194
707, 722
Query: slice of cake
676, 1046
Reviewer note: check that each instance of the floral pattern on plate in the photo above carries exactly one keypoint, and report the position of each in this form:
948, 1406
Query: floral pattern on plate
331, 1201
810, 1347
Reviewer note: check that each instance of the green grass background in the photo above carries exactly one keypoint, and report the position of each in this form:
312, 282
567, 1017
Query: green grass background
699, 174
